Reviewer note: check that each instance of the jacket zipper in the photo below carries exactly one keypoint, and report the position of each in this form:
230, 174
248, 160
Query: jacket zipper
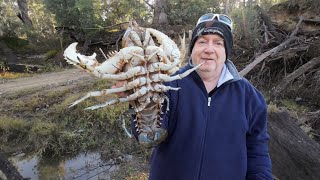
204, 139
209, 101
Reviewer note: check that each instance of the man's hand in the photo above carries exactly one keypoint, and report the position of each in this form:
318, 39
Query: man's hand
120, 84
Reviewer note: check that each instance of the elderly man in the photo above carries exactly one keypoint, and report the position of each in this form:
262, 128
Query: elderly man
217, 123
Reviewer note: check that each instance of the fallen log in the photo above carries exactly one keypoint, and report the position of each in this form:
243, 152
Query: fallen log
289, 53
294, 154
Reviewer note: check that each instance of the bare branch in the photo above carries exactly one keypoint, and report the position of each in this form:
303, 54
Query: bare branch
274, 50
301, 70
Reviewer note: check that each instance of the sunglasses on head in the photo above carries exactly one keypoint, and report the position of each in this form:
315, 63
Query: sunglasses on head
220, 17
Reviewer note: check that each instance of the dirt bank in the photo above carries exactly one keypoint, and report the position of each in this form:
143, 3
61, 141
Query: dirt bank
46, 80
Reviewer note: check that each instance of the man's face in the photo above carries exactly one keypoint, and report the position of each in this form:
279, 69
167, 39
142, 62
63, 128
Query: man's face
209, 49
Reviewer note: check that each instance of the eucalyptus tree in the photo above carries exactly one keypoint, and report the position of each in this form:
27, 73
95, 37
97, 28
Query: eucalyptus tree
186, 12
24, 14
9, 22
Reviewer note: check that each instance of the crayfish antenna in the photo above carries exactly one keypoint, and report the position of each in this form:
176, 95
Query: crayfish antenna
183, 54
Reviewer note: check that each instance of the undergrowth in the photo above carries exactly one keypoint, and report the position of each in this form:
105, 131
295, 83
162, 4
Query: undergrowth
45, 124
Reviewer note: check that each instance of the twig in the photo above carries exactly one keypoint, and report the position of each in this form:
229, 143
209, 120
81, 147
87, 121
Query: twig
103, 53
90, 170
119, 38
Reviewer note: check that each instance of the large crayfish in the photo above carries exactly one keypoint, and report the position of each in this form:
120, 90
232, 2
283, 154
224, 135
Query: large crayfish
145, 66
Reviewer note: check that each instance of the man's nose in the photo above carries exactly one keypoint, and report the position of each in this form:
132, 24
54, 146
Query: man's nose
210, 48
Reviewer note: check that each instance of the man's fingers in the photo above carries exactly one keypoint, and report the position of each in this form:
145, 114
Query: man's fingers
120, 84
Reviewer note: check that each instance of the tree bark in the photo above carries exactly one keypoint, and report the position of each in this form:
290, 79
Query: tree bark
160, 13
294, 155
23, 15
227, 10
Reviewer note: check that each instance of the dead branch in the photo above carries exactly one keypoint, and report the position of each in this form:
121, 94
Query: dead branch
267, 22
288, 53
301, 70
316, 21
274, 50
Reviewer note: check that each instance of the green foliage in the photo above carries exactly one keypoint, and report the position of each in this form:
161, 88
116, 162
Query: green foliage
12, 129
14, 42
9, 23
42, 136
187, 12
245, 28
292, 105
55, 129
12, 26
51, 53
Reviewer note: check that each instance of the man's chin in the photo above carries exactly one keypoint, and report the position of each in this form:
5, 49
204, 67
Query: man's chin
206, 69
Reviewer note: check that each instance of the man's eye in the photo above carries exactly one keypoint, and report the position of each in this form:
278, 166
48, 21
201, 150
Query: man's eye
219, 43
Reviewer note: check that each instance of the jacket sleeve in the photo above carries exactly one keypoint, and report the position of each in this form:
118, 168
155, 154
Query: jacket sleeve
259, 162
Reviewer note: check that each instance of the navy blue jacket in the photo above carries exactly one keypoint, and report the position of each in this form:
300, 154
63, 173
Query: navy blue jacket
222, 137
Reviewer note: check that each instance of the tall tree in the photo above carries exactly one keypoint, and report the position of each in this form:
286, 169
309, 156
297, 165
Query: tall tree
23, 15
227, 10
160, 16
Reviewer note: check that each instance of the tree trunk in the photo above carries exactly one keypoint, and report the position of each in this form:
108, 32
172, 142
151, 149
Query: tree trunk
160, 13
23, 15
293, 153
227, 10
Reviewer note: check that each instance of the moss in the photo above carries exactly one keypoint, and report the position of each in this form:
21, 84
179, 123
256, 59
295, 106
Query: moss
272, 108
50, 54
13, 132
292, 105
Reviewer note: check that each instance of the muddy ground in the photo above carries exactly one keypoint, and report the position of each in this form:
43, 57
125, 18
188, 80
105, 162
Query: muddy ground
65, 80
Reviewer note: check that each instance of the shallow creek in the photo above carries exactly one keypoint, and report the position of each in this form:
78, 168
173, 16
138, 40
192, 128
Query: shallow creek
83, 166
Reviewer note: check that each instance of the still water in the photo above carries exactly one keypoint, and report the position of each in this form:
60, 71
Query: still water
83, 166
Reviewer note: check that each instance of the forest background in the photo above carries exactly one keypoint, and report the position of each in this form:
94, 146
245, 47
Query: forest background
276, 48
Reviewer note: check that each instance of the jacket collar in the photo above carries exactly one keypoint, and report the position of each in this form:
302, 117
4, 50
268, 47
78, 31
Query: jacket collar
225, 76
232, 70
229, 72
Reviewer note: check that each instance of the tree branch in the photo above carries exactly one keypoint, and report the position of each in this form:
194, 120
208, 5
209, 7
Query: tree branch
283, 84
274, 50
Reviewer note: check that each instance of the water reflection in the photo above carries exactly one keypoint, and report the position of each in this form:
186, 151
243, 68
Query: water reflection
83, 166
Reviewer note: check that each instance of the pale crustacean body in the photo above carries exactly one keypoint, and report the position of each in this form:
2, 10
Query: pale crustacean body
145, 63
